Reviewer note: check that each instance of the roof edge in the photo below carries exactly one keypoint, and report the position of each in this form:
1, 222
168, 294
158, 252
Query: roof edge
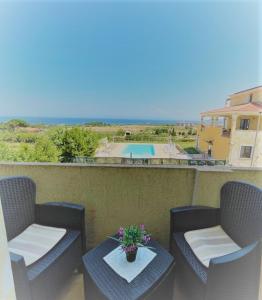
246, 90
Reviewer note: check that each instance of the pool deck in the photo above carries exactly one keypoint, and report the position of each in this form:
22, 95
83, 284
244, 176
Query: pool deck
161, 151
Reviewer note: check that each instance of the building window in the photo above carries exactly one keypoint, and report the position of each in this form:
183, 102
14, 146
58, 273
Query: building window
245, 151
244, 124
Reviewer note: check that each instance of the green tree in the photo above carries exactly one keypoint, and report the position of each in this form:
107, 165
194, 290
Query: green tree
157, 131
14, 123
161, 130
194, 132
78, 142
173, 132
56, 135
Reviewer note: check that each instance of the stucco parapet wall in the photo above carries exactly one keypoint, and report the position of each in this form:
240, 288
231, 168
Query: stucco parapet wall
95, 165
166, 166
213, 169
226, 169
246, 169
129, 194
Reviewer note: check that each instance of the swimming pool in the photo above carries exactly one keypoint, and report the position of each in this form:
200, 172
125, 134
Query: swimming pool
139, 150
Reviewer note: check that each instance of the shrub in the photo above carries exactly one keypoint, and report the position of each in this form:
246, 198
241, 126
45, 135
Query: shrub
191, 150
187, 140
25, 153
120, 132
161, 130
45, 151
6, 154
78, 142
56, 135
23, 137
7, 136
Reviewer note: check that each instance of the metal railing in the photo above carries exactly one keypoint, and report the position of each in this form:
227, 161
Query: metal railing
142, 139
149, 161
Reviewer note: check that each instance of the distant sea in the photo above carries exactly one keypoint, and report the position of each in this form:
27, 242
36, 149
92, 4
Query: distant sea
81, 121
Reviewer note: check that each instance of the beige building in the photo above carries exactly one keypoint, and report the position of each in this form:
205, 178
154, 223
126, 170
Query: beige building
234, 132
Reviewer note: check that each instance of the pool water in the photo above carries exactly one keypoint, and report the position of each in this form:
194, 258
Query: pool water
139, 150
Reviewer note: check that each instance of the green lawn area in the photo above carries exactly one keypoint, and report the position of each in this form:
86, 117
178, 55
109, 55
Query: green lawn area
188, 146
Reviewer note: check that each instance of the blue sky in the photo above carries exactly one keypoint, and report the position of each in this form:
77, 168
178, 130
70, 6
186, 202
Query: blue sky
154, 60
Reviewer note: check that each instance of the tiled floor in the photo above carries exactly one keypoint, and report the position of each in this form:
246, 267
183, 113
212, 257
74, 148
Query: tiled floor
74, 290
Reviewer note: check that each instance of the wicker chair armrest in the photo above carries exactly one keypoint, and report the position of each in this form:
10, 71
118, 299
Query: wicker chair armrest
21, 281
236, 275
187, 218
63, 214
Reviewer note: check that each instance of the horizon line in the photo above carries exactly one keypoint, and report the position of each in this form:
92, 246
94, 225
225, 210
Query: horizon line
98, 118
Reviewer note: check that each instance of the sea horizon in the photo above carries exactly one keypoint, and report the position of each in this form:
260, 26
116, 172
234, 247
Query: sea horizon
82, 121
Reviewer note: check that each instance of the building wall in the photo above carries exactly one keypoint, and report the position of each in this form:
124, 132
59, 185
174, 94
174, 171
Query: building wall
257, 160
7, 290
220, 148
246, 138
221, 144
228, 122
243, 98
252, 123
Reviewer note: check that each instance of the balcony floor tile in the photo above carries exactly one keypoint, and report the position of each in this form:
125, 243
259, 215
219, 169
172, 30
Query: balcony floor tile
74, 289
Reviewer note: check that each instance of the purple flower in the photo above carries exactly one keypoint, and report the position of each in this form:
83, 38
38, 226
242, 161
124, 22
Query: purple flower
146, 239
121, 232
130, 248
142, 227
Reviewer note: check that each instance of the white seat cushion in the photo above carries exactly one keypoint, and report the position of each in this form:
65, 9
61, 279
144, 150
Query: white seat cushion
35, 241
209, 243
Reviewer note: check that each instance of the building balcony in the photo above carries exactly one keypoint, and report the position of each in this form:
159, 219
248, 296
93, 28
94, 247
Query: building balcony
115, 195
226, 132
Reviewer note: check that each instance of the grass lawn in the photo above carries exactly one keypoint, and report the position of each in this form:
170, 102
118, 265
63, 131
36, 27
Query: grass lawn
188, 146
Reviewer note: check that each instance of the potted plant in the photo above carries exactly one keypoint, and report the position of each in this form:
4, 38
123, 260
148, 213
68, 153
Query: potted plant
131, 238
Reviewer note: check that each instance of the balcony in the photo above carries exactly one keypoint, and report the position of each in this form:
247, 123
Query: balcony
127, 194
226, 132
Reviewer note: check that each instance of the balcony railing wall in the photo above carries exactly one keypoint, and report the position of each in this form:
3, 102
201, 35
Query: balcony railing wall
117, 195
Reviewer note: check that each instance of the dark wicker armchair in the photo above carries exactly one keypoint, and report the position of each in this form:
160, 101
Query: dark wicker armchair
230, 277
43, 279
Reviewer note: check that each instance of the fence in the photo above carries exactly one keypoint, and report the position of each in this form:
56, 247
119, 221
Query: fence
149, 161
